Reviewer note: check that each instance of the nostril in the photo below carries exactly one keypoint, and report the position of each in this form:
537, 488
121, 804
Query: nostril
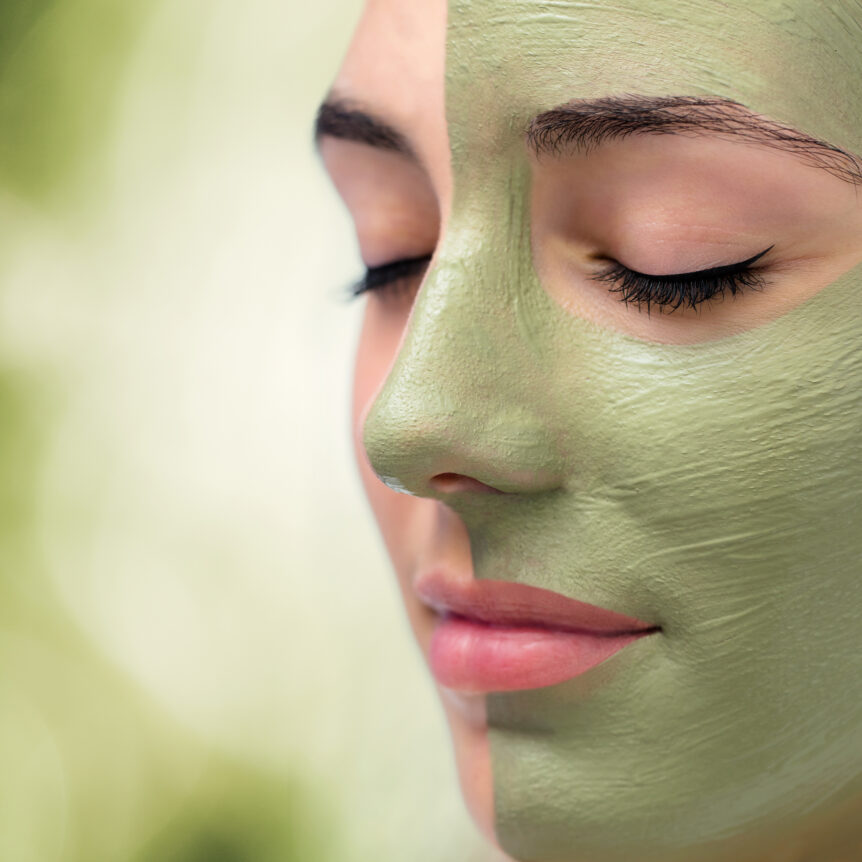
450, 483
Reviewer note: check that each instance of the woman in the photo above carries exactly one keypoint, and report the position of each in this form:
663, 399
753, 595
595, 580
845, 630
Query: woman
607, 407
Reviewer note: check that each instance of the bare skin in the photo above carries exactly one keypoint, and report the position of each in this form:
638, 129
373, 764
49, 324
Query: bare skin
657, 205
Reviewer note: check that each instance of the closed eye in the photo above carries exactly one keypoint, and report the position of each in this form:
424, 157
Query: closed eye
390, 278
685, 289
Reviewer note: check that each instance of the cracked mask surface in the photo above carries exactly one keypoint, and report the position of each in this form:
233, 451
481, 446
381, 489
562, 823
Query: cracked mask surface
713, 488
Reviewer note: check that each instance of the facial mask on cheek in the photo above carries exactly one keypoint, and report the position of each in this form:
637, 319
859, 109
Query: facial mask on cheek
711, 488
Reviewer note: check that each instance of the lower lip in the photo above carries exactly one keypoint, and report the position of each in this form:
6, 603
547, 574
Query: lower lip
472, 656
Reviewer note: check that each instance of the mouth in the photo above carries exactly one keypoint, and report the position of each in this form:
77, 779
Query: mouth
501, 636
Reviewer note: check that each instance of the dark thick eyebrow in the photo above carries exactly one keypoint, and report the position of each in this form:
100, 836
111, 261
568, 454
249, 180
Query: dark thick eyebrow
583, 125
343, 119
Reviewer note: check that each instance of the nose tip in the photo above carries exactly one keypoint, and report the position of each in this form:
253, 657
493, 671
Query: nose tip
452, 483
461, 414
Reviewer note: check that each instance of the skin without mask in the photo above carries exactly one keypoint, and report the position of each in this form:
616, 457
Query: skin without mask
711, 488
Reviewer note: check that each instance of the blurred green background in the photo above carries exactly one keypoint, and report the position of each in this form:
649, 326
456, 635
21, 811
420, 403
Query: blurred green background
202, 653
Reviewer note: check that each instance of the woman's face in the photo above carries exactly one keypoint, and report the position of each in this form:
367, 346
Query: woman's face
610, 432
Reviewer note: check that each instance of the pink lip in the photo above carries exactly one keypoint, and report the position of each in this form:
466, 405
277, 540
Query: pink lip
502, 636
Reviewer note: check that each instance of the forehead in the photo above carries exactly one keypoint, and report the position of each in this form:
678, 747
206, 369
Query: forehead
798, 62
484, 68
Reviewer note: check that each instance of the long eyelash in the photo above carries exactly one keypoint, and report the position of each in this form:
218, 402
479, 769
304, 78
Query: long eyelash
687, 289
390, 278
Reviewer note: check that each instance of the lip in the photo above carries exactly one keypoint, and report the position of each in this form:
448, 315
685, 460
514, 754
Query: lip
503, 636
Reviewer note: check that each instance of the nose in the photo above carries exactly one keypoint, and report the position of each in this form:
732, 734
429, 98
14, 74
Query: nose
460, 413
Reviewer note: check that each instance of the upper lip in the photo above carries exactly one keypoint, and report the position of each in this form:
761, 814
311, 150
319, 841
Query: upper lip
505, 603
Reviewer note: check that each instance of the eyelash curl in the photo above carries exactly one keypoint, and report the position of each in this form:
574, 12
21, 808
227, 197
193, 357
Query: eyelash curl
391, 279
683, 290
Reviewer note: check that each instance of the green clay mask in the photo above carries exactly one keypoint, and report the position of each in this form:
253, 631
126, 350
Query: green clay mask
711, 487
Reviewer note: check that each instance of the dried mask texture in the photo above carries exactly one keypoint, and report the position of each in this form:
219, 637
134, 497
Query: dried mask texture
712, 488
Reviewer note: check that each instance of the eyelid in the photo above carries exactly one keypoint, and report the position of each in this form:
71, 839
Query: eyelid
389, 274
694, 275
688, 289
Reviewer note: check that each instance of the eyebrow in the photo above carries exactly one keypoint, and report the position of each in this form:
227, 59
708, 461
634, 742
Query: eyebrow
583, 125
347, 121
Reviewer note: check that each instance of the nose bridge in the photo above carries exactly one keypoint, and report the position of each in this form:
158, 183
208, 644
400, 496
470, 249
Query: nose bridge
458, 396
